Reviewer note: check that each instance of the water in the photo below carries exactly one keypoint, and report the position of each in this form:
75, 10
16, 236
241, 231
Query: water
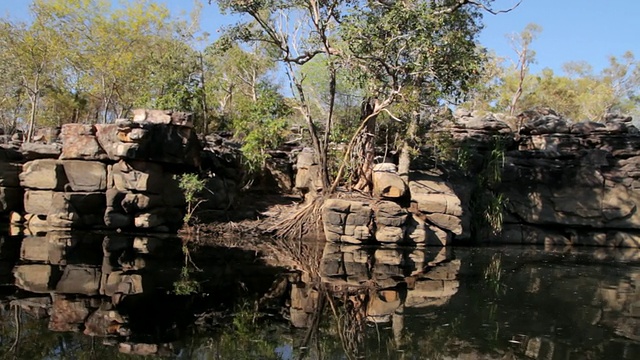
105, 296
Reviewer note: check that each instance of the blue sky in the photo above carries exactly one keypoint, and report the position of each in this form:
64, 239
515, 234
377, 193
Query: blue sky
573, 30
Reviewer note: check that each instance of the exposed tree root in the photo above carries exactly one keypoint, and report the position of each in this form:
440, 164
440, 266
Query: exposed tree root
305, 220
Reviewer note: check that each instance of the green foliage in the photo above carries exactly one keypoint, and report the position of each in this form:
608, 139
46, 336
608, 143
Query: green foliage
92, 61
578, 93
493, 275
261, 124
244, 338
415, 46
191, 186
487, 202
186, 285
446, 149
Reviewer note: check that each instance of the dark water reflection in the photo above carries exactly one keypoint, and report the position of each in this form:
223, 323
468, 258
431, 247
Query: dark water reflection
95, 296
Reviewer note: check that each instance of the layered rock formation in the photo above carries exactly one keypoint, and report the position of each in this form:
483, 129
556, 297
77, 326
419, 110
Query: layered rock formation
382, 282
579, 182
10, 191
120, 175
95, 284
550, 182
427, 210
561, 182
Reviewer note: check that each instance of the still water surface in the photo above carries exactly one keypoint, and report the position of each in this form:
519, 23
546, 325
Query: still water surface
99, 296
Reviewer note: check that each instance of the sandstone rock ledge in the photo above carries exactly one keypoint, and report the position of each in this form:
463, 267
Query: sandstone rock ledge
118, 176
426, 211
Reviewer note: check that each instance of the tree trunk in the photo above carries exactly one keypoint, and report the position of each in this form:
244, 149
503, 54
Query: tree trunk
404, 162
205, 111
34, 106
364, 153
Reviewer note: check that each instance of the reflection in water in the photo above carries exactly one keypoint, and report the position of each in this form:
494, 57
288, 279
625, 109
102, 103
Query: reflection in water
87, 295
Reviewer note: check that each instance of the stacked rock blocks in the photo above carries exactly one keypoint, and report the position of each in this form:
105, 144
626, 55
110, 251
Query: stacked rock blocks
426, 211
120, 175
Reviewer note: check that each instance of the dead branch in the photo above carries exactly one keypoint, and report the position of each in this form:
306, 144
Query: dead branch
478, 4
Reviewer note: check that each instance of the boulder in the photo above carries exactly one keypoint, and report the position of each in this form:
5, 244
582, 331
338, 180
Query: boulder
387, 183
347, 221
140, 176
68, 314
79, 142
307, 172
382, 305
105, 321
148, 220
33, 277
431, 293
76, 209
167, 117
34, 151
136, 202
447, 222
77, 279
433, 195
443, 205
49, 249
107, 137
38, 202
389, 234
85, 176
43, 174
389, 213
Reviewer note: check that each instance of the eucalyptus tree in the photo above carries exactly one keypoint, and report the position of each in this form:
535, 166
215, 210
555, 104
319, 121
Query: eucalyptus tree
395, 49
111, 53
31, 55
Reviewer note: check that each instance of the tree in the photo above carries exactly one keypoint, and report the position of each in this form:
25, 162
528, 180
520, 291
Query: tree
578, 93
391, 47
294, 43
31, 51
239, 74
521, 45
413, 52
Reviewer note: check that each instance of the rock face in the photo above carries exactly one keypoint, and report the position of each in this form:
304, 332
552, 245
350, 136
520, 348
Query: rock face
564, 182
120, 175
582, 178
10, 190
94, 283
557, 182
430, 275
426, 211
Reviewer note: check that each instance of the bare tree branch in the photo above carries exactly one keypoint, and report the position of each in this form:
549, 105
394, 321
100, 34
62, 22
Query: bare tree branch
461, 3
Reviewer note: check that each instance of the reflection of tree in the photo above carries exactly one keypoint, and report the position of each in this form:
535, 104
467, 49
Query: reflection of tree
350, 320
246, 336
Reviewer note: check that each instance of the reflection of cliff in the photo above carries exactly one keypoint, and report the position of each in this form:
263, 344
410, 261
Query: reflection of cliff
100, 285
621, 305
418, 276
138, 293
506, 303
550, 304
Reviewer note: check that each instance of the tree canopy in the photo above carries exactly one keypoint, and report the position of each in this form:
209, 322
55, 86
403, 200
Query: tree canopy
578, 92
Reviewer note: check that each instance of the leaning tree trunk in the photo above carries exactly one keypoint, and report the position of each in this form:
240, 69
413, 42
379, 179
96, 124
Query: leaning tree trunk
404, 161
364, 151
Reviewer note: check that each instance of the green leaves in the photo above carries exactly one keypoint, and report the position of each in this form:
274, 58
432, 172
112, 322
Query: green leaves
404, 44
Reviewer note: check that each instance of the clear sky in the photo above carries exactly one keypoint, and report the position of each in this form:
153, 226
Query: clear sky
573, 30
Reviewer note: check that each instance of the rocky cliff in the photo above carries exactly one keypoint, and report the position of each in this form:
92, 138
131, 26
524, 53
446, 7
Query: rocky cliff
551, 182
561, 182
118, 176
